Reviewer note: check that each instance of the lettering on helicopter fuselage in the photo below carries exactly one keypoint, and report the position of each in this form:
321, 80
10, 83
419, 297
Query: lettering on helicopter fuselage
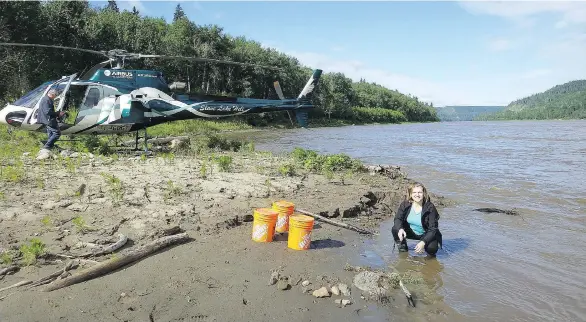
223, 108
147, 75
118, 74
116, 128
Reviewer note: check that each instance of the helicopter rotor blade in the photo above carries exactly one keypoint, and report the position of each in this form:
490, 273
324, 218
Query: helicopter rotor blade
208, 60
54, 46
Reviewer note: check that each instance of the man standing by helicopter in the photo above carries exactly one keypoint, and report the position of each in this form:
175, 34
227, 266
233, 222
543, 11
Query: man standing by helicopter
48, 117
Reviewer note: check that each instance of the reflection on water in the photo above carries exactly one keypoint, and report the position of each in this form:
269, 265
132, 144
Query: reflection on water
493, 267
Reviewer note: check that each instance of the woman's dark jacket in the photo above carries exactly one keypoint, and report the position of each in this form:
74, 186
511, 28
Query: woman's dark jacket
429, 220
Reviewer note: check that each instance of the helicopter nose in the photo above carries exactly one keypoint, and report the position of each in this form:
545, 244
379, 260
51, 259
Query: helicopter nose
12, 115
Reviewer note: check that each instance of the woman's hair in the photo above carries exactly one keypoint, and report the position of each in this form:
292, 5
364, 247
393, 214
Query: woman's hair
410, 190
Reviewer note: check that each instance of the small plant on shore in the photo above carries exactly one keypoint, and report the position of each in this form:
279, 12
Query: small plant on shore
248, 147
12, 173
46, 221
269, 185
171, 190
146, 192
2, 196
224, 162
32, 251
168, 157
6, 257
287, 170
40, 183
204, 169
328, 173
116, 187
71, 165
80, 225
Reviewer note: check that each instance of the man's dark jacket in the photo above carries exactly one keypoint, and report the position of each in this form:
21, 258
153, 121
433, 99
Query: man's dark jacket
429, 220
47, 114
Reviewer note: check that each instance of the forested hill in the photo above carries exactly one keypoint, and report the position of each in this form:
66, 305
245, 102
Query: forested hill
565, 101
77, 24
465, 113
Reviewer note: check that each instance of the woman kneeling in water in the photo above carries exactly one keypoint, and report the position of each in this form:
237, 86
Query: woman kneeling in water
417, 218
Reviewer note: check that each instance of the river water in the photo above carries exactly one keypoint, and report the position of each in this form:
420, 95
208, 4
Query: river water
493, 267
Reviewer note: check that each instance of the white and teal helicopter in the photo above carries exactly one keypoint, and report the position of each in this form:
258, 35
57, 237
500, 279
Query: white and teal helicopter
114, 100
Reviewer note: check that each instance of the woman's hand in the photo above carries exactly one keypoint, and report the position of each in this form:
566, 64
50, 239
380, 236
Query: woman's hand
402, 234
420, 247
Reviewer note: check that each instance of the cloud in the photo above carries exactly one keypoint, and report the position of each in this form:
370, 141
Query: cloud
499, 44
426, 91
536, 73
337, 48
523, 11
485, 90
128, 4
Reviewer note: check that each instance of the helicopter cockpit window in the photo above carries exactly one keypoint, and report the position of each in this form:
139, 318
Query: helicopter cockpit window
32, 97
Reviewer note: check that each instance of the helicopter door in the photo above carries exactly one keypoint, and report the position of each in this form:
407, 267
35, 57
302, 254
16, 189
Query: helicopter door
68, 79
89, 105
62, 98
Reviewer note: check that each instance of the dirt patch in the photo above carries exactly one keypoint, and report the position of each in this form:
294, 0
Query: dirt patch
75, 206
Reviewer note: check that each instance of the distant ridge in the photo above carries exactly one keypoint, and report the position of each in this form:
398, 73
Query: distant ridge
465, 113
565, 101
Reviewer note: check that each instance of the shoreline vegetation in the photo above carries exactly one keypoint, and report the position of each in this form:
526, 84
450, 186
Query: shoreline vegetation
338, 99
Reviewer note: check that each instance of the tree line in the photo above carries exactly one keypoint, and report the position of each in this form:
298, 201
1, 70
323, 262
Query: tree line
565, 101
77, 24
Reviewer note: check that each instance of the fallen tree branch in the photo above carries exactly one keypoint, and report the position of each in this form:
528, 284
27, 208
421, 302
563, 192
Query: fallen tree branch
122, 239
158, 141
511, 212
407, 294
118, 261
166, 232
62, 272
333, 222
8, 270
21, 283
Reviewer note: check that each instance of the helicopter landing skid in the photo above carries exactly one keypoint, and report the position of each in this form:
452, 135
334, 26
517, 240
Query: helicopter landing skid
146, 150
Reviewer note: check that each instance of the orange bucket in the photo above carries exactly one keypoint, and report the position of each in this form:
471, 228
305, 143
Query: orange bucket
263, 226
300, 227
285, 209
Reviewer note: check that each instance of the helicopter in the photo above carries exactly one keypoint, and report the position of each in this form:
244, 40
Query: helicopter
115, 100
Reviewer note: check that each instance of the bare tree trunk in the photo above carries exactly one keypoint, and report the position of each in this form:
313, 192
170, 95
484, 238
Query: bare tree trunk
117, 261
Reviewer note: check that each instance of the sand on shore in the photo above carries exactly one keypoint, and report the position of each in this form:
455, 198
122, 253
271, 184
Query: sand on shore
221, 274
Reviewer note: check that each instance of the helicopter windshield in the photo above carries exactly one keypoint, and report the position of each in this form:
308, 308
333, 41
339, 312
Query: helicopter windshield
31, 98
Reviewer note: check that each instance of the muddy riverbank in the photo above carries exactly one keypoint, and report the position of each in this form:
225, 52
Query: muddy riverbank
77, 204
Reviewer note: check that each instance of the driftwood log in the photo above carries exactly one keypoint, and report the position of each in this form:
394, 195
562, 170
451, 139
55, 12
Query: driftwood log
8, 270
511, 212
334, 222
122, 239
118, 261
21, 283
158, 141
60, 273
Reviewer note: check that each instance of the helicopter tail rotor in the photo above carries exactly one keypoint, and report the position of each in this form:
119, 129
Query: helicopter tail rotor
302, 115
309, 88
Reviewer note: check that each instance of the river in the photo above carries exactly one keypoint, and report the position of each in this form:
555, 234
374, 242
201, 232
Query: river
493, 267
